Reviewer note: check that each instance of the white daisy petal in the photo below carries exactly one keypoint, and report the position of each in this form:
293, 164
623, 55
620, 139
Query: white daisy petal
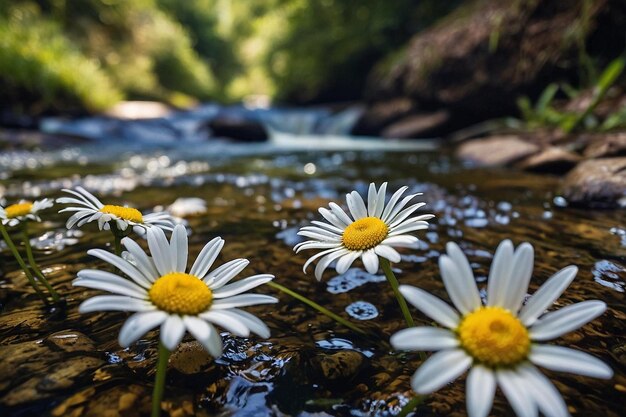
392, 202
545, 394
89, 197
408, 227
144, 264
424, 339
370, 261
159, 249
545, 296
206, 334
243, 300
521, 272
398, 208
441, 368
207, 256
253, 323
327, 260
480, 391
327, 226
356, 205
372, 198
558, 358
332, 218
346, 261
139, 324
400, 217
227, 322
114, 303
121, 264
106, 281
178, 248
460, 285
324, 237
560, 322
500, 273
388, 252
172, 332
242, 285
517, 393
432, 306
404, 241
380, 200
341, 215
225, 273
320, 231
316, 245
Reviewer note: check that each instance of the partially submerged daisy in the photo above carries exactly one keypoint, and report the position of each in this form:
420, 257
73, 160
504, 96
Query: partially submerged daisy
87, 208
369, 232
499, 341
161, 293
23, 211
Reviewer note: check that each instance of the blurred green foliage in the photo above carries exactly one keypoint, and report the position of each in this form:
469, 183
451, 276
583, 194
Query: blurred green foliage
40, 68
87, 54
546, 114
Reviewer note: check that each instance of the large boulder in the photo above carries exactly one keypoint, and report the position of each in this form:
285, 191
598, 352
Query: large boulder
481, 58
597, 183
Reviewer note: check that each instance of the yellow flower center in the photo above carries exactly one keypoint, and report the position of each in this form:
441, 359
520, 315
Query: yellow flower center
494, 337
20, 209
180, 293
126, 213
365, 233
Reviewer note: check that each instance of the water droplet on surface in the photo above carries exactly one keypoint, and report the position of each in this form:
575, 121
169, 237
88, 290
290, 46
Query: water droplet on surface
362, 310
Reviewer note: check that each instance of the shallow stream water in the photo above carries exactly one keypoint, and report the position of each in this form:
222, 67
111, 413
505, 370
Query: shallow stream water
257, 198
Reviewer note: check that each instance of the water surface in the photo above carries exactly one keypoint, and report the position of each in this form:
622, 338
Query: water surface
257, 199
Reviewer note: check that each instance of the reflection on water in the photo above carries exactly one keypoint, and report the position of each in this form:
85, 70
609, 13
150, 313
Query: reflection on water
257, 197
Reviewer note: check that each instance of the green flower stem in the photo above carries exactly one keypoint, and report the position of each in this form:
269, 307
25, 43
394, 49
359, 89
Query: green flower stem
159, 380
33, 264
118, 235
21, 262
395, 287
411, 405
317, 307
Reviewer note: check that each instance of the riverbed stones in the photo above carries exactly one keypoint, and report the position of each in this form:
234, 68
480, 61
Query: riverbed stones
552, 159
341, 365
417, 126
496, 150
238, 128
606, 145
191, 358
597, 182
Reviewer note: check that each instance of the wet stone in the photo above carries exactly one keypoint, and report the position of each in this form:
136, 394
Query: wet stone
60, 376
552, 160
596, 182
340, 365
496, 151
71, 341
191, 358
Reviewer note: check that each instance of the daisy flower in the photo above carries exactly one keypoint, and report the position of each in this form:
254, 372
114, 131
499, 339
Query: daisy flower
23, 211
88, 208
500, 342
367, 233
161, 293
